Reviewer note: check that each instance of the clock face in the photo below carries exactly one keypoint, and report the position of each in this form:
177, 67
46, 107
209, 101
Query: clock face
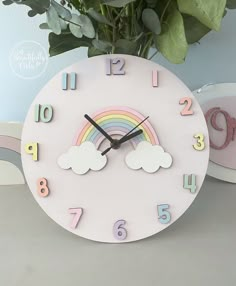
115, 148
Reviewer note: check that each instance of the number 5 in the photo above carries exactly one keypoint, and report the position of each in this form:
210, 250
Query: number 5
164, 216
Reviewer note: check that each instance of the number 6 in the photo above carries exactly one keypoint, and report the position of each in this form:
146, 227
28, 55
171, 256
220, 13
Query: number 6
119, 231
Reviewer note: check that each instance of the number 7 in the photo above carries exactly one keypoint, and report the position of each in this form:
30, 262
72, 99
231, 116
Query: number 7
78, 213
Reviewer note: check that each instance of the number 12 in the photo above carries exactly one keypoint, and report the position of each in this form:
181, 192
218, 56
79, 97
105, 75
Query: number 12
115, 66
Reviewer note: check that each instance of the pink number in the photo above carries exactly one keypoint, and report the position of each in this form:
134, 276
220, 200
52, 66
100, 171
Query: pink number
155, 78
77, 215
230, 122
187, 109
42, 187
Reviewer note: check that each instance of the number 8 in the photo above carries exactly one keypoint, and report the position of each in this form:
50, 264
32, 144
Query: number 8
42, 187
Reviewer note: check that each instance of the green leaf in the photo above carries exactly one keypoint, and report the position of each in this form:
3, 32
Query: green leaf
7, 2
32, 13
82, 25
39, 6
151, 20
208, 12
65, 42
95, 4
44, 26
117, 3
87, 26
151, 3
194, 30
53, 20
123, 46
231, 4
172, 42
99, 17
76, 27
92, 52
62, 11
63, 24
102, 45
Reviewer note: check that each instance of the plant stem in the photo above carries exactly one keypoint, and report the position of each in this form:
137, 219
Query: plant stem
145, 51
164, 11
68, 21
106, 30
153, 55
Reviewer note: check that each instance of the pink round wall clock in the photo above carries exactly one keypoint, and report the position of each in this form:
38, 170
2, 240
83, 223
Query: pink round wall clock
218, 102
115, 148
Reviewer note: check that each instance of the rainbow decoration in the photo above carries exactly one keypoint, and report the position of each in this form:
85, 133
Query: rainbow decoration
116, 121
11, 171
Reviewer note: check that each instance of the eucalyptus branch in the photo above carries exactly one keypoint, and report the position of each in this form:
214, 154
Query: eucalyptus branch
164, 11
68, 21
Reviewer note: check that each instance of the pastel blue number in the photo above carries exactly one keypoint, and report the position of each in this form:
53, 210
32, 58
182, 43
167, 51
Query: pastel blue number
190, 183
164, 215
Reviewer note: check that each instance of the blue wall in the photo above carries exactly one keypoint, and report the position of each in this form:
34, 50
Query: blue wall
213, 60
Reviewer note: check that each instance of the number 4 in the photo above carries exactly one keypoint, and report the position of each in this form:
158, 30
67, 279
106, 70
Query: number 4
78, 213
190, 183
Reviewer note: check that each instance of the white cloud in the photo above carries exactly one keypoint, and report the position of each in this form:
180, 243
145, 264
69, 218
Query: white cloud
148, 157
82, 158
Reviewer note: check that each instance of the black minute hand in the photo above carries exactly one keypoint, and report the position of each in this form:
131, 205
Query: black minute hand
99, 128
130, 136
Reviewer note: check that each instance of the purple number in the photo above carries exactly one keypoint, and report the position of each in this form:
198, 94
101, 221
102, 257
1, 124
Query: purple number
119, 231
230, 122
115, 66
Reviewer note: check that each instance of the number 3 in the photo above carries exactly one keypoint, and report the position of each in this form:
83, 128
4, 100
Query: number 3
200, 145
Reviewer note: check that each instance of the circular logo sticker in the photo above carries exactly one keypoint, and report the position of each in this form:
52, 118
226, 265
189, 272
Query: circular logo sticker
28, 60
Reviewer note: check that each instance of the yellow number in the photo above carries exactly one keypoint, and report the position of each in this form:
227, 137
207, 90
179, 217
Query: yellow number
32, 149
200, 145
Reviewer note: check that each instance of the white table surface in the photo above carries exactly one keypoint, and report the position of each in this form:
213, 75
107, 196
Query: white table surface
199, 249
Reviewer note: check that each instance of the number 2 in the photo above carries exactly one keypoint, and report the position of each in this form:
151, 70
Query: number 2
200, 145
187, 109
115, 66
